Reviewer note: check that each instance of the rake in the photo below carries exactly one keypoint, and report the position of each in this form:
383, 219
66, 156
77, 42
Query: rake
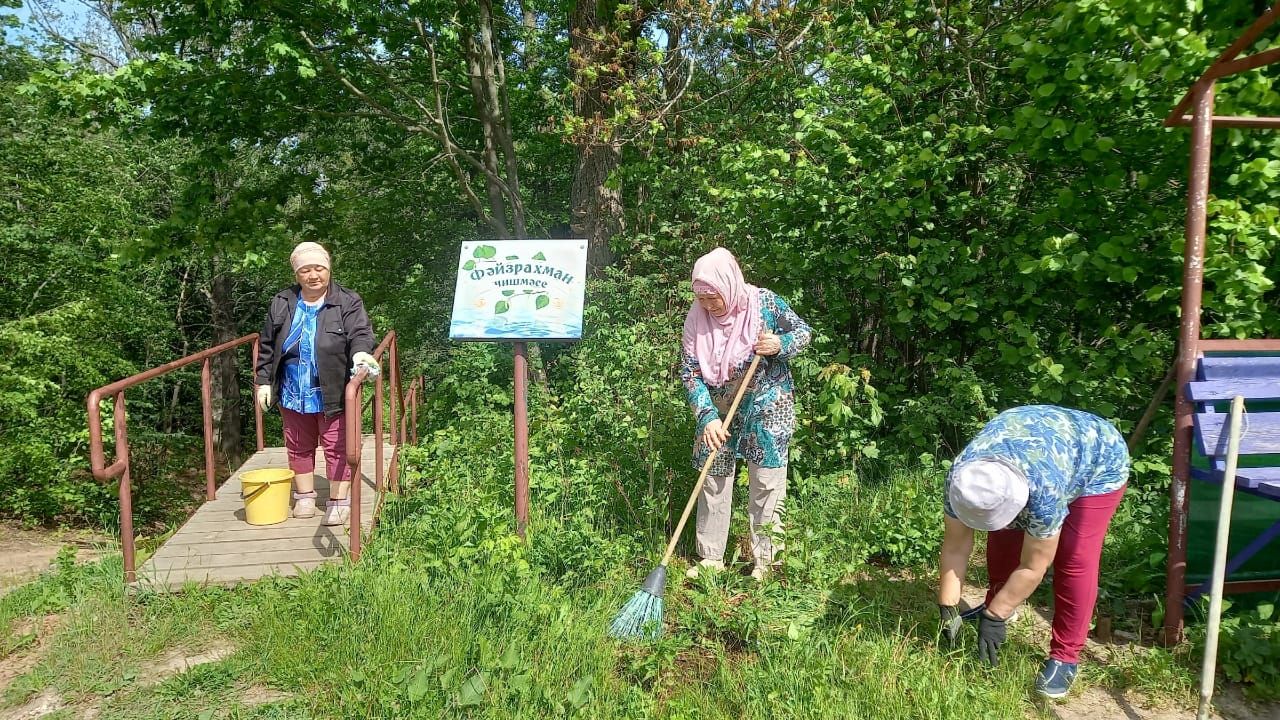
641, 617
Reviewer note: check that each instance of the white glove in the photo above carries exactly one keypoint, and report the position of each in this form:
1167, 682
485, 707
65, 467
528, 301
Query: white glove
365, 360
264, 397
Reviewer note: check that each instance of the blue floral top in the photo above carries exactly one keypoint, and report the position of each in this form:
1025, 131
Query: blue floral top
1066, 454
300, 390
762, 428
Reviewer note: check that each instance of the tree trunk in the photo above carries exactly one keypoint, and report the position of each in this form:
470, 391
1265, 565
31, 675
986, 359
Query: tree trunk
595, 209
227, 437
596, 213
487, 76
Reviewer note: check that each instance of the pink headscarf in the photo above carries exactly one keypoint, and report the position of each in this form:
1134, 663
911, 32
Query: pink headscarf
723, 343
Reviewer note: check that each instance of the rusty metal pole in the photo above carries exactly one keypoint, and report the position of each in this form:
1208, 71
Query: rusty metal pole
522, 438
355, 451
413, 429
206, 404
1188, 342
257, 411
396, 391
377, 431
126, 490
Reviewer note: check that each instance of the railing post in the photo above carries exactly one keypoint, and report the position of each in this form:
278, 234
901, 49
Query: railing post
126, 490
1188, 341
206, 404
377, 432
413, 429
396, 397
253, 393
354, 398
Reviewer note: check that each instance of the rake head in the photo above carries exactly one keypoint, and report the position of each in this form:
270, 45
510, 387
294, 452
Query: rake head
641, 617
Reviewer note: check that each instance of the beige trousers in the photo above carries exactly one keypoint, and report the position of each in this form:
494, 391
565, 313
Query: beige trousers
768, 491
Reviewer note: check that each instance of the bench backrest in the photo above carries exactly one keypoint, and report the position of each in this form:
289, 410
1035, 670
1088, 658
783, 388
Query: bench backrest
1219, 379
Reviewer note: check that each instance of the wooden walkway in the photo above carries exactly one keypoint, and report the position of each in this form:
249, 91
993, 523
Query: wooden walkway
217, 547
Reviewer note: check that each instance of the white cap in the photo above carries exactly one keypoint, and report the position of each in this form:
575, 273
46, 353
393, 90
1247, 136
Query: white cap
987, 494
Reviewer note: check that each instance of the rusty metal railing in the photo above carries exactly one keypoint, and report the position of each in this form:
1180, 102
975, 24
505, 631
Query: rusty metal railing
120, 468
354, 412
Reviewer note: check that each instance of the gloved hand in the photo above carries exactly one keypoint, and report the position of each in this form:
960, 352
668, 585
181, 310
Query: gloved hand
364, 359
991, 634
263, 397
973, 613
949, 624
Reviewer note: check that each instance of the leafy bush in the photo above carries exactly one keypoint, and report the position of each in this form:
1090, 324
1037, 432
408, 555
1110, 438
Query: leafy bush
1249, 648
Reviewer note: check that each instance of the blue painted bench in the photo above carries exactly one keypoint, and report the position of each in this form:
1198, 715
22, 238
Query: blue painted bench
1219, 378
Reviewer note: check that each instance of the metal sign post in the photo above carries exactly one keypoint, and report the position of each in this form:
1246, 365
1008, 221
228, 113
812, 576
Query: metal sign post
520, 291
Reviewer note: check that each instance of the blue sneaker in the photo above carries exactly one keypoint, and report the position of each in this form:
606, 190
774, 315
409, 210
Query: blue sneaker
1056, 678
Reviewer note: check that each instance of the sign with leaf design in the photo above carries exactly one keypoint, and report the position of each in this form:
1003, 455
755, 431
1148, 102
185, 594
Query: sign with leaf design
520, 290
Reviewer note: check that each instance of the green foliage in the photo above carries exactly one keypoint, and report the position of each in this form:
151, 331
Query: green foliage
1249, 648
980, 234
75, 316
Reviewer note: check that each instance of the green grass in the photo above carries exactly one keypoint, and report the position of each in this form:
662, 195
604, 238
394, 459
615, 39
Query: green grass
449, 616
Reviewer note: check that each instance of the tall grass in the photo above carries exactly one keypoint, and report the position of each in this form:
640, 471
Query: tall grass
449, 615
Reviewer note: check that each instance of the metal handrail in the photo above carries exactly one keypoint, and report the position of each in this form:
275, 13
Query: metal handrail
120, 468
354, 394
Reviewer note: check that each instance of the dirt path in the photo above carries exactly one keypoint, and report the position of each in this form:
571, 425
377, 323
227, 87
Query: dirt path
1097, 703
25, 554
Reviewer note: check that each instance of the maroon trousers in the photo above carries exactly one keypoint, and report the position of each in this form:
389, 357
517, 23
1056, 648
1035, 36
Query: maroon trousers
304, 432
1075, 569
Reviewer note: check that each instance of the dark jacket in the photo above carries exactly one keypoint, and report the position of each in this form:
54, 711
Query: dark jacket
342, 330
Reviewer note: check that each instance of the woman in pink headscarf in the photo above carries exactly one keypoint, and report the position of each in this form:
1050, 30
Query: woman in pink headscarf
729, 323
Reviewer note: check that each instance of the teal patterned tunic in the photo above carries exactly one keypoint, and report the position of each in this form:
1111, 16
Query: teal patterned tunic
1065, 454
762, 428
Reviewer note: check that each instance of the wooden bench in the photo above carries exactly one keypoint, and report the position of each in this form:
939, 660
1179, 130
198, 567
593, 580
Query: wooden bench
1219, 379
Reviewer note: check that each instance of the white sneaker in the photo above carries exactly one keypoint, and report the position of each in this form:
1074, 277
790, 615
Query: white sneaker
304, 508
760, 572
704, 565
336, 515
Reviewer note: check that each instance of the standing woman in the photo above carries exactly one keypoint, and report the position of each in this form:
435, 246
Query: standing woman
1043, 482
315, 333
728, 323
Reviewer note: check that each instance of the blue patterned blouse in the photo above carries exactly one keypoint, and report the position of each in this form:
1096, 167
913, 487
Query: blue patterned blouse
300, 390
762, 428
1066, 454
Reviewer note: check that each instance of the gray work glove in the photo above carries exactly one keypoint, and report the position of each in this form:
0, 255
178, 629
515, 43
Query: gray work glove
949, 624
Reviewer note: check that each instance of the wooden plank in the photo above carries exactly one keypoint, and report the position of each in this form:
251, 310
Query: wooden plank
1234, 367
1238, 346
216, 545
176, 579
1249, 388
226, 515
258, 539
1248, 478
1260, 434
243, 559
1269, 489
239, 533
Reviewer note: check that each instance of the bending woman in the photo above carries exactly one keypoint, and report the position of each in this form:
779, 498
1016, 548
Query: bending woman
1043, 482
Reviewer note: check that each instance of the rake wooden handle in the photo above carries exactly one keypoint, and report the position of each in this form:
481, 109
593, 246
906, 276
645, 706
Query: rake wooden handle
706, 467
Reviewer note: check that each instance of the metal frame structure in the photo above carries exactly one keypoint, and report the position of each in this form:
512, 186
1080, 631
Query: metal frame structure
387, 355
1200, 100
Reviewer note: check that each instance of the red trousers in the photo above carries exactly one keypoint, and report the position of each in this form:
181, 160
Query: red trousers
1075, 569
304, 432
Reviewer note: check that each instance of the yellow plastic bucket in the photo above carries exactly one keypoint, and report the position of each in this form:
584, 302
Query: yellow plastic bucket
266, 495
